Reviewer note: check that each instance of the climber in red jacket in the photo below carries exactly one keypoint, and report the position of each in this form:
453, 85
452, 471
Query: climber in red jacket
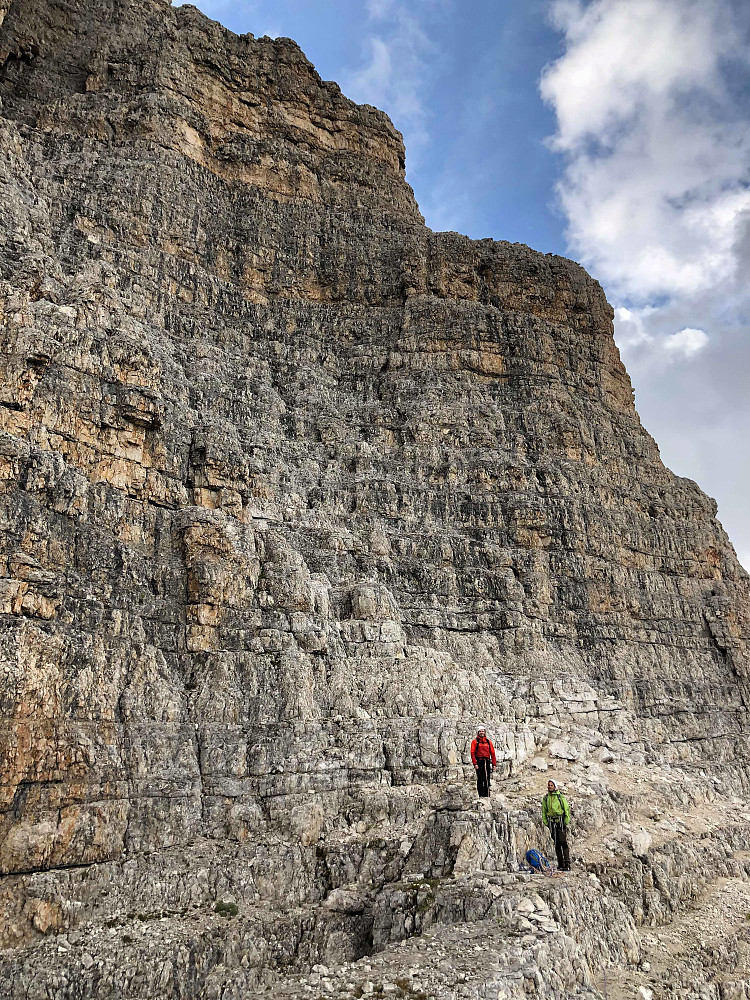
483, 759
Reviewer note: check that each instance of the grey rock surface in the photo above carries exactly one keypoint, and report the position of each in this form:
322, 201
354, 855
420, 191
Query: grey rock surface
295, 493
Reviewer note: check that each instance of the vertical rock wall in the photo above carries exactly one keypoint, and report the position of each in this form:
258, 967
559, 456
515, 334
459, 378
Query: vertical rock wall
296, 491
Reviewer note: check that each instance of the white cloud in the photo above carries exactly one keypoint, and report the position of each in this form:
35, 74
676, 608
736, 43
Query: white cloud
657, 183
631, 326
653, 129
621, 55
639, 338
686, 342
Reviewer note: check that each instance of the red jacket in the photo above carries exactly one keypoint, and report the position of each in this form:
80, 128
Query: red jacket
481, 750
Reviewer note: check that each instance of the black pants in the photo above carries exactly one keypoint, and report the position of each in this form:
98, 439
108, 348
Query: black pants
484, 770
560, 839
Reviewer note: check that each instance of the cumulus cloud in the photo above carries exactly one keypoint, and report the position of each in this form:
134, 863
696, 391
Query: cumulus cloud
633, 332
686, 342
657, 183
650, 98
631, 326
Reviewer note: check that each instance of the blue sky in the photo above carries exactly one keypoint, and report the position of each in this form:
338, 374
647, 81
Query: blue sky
615, 132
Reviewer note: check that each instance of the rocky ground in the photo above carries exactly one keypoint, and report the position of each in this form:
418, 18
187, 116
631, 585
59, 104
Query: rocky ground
654, 906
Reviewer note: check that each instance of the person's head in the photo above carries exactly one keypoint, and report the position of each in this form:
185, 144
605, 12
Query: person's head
551, 786
482, 731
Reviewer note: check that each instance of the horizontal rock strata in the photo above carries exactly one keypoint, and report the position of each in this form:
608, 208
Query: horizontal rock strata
295, 492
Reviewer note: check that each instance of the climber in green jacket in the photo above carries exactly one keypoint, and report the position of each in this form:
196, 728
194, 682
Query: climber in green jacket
556, 817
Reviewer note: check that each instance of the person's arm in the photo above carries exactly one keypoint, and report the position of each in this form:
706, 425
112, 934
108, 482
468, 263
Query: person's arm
492, 753
474, 753
566, 809
544, 810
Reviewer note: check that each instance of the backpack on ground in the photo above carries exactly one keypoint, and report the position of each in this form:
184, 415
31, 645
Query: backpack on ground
538, 862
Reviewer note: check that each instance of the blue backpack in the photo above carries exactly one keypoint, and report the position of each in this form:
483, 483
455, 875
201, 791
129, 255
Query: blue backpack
537, 861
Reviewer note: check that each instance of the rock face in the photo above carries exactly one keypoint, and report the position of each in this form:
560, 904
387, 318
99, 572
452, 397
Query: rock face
295, 492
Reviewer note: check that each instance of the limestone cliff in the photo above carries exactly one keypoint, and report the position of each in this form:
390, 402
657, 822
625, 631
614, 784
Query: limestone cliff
294, 492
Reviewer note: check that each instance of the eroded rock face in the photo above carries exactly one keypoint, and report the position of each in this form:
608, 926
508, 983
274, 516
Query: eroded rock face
294, 493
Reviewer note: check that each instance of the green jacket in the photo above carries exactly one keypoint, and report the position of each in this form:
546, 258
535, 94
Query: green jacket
555, 807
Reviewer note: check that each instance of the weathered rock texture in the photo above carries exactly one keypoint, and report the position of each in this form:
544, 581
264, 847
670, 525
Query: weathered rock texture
295, 492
